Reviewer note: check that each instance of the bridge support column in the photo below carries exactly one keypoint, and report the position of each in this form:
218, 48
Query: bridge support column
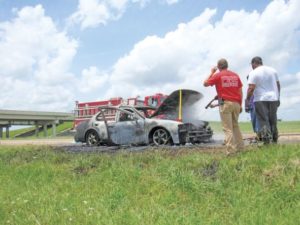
54, 128
7, 131
1, 132
36, 129
45, 130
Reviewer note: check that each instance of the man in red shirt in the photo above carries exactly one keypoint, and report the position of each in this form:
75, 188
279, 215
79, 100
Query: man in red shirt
230, 95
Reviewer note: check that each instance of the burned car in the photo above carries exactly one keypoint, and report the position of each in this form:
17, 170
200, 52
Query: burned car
124, 125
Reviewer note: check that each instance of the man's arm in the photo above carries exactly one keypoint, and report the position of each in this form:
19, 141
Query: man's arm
212, 72
250, 91
278, 86
241, 93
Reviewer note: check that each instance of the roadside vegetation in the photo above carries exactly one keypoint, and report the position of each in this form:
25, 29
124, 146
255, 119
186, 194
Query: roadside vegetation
284, 127
59, 128
43, 185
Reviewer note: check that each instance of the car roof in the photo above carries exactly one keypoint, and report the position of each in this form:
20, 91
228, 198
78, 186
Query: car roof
122, 108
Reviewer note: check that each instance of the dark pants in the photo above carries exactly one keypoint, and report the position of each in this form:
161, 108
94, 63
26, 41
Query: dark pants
266, 114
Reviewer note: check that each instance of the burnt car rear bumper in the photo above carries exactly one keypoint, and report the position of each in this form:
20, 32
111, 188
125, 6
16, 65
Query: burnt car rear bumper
190, 133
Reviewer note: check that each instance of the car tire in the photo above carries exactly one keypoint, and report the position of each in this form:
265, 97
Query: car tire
160, 136
92, 138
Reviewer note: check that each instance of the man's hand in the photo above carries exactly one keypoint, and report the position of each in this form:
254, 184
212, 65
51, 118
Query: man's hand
213, 70
214, 105
247, 106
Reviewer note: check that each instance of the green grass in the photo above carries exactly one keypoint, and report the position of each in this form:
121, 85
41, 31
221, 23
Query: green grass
59, 128
289, 126
40, 185
13, 133
246, 127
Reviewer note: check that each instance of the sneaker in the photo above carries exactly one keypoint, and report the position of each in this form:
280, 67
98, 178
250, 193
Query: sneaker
253, 140
266, 141
258, 137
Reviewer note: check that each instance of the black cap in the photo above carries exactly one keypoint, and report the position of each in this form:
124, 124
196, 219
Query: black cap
257, 60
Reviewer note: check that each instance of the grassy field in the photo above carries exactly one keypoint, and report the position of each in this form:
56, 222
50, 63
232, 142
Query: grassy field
283, 127
40, 185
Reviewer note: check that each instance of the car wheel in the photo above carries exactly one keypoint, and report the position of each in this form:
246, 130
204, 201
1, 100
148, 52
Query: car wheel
161, 137
92, 138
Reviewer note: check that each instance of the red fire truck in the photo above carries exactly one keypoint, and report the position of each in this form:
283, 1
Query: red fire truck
85, 110
154, 100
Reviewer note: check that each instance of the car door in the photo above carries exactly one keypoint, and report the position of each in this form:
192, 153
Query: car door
129, 128
99, 124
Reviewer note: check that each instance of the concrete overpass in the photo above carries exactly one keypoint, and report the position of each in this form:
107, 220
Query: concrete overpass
35, 118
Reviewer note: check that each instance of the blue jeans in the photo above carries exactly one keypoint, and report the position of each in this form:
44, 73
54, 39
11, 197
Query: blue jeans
254, 121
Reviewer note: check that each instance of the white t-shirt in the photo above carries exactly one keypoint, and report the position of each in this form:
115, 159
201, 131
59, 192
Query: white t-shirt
265, 79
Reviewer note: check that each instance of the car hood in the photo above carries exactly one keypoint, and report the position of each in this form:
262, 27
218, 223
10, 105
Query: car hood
169, 109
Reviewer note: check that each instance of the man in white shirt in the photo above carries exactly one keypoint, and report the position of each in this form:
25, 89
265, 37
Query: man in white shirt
264, 84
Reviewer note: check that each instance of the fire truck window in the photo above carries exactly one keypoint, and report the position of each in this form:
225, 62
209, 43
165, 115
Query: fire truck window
150, 101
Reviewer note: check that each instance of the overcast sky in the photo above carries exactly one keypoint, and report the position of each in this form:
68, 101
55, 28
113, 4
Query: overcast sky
54, 52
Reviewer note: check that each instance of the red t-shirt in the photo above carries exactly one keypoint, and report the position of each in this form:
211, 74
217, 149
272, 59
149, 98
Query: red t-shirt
228, 85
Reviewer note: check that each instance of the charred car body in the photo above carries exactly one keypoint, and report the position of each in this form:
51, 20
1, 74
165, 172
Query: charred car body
123, 125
